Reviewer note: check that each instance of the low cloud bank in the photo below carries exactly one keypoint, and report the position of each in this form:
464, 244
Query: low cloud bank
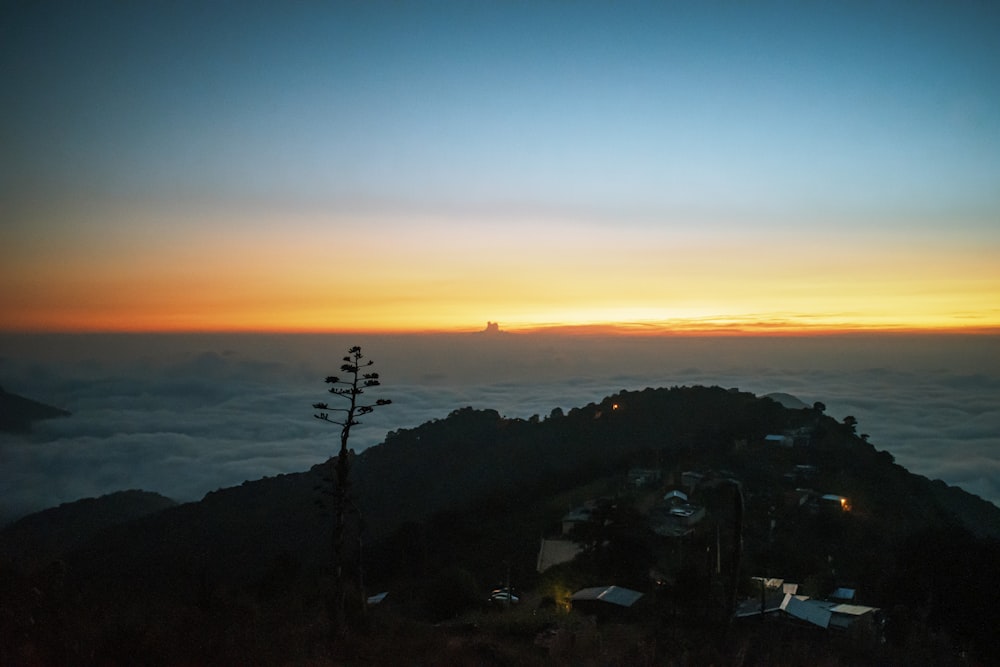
184, 415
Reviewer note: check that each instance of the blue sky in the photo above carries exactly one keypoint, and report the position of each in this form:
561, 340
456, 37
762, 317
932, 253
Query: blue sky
852, 106
878, 120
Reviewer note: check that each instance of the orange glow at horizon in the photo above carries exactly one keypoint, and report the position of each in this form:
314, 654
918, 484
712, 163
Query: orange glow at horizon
310, 273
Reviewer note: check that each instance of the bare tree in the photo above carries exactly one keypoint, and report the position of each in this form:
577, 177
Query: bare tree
351, 388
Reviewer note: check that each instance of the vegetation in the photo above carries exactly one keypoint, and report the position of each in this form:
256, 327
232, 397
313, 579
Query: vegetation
455, 508
351, 390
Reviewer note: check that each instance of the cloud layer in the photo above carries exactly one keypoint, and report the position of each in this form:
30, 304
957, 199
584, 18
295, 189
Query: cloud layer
186, 415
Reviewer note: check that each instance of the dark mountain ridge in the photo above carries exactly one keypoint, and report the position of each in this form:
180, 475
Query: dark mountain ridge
17, 413
473, 490
49, 534
450, 462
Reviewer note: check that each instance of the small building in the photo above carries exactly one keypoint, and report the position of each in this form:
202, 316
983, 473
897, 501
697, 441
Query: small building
575, 516
843, 594
640, 477
373, 600
768, 603
674, 516
825, 613
843, 616
605, 601
554, 552
803, 608
833, 501
675, 497
776, 584
623, 597
801, 497
687, 515
768, 600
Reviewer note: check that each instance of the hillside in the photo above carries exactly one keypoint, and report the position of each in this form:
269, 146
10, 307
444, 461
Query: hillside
51, 533
17, 413
456, 505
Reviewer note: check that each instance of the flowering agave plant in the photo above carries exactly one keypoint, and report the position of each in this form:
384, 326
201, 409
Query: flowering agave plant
350, 389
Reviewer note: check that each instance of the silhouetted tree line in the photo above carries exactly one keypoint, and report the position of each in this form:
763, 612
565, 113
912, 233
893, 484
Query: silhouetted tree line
453, 505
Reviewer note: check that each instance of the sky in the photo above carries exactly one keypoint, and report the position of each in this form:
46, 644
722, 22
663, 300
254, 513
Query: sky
184, 415
401, 166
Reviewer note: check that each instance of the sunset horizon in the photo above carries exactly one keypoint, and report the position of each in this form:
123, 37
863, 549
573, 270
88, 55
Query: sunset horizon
723, 329
657, 169
719, 279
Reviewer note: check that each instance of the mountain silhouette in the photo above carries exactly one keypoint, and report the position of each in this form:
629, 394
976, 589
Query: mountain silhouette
465, 498
17, 413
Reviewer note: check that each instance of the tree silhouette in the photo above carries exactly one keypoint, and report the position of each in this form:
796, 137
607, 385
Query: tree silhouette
350, 389
851, 422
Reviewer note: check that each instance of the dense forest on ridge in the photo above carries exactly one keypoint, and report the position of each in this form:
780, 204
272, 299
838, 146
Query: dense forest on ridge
456, 507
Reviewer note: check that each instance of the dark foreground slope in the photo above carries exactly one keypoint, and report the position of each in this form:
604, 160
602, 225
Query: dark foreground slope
456, 505
47, 535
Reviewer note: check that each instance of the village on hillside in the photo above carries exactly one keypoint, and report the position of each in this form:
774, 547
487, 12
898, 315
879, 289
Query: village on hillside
683, 512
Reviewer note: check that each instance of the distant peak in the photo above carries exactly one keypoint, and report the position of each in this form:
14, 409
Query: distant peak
787, 400
492, 328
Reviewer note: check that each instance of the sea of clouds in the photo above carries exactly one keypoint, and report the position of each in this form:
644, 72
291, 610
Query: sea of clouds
185, 415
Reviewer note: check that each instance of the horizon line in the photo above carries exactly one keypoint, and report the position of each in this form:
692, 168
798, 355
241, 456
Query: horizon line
618, 330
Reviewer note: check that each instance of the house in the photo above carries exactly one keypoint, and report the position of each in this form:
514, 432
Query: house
775, 584
575, 516
673, 516
843, 594
605, 601
639, 477
801, 497
768, 603
843, 616
769, 600
687, 515
826, 613
833, 501
554, 552
675, 498
804, 608
623, 597
814, 500
779, 440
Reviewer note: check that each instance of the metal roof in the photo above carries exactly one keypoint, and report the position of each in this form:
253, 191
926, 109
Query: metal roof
805, 609
623, 597
852, 609
843, 594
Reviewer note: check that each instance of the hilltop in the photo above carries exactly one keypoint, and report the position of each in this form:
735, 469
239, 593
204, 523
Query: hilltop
17, 413
457, 505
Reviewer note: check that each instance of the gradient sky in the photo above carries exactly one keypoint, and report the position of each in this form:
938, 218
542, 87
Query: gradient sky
430, 166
